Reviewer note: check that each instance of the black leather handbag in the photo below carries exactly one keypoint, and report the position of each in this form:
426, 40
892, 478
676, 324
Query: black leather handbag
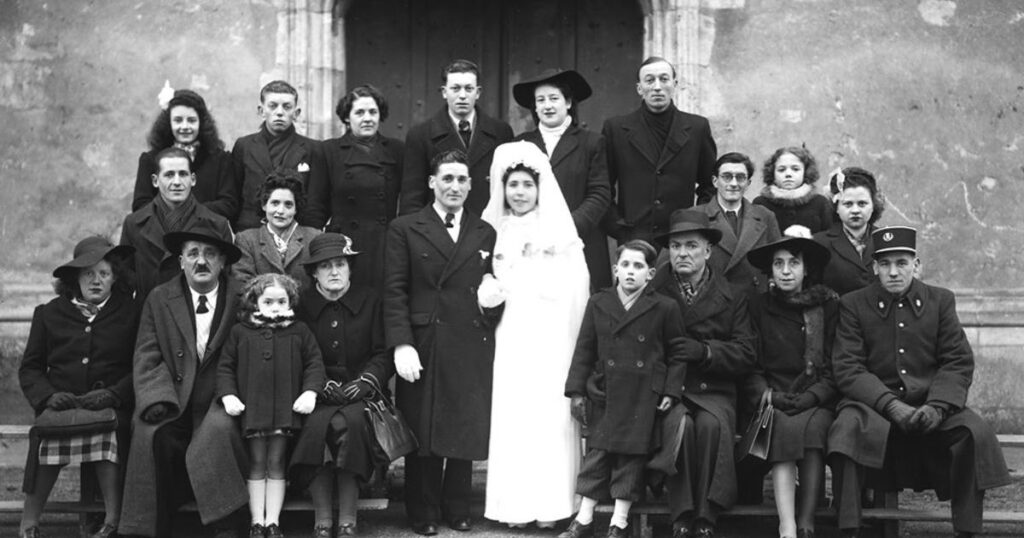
757, 440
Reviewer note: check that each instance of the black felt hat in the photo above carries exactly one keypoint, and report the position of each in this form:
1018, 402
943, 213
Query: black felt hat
328, 246
90, 251
690, 220
523, 92
204, 233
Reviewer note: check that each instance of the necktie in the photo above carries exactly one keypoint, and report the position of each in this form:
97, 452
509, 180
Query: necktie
202, 308
464, 132
733, 219
449, 220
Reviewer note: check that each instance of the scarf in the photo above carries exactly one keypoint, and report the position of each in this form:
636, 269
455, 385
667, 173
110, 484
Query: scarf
551, 135
365, 144
628, 299
859, 243
259, 321
89, 310
281, 243
174, 219
811, 301
691, 291
278, 146
189, 148
789, 197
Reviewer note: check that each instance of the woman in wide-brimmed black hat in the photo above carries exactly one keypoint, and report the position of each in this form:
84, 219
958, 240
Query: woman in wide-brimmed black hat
795, 321
577, 158
79, 355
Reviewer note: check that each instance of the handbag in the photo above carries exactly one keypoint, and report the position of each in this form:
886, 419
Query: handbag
757, 439
75, 421
390, 430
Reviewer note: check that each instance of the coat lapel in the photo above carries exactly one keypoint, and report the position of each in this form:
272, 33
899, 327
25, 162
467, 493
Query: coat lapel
178, 306
295, 247
678, 134
227, 319
842, 246
750, 231
429, 225
268, 250
472, 231
639, 308
717, 220
442, 132
634, 132
565, 146
260, 153
483, 141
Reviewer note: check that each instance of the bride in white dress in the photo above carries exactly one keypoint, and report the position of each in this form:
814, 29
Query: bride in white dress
540, 272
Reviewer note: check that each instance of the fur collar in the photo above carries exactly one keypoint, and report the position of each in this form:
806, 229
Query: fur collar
789, 198
259, 321
816, 295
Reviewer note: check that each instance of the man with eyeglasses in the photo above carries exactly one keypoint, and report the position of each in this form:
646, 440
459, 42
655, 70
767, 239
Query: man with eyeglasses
659, 158
462, 126
744, 226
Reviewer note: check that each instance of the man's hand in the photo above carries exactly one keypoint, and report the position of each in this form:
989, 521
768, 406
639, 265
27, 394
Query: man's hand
783, 401
490, 293
578, 409
156, 413
98, 399
801, 402
693, 350
900, 414
926, 418
60, 401
305, 403
232, 405
407, 363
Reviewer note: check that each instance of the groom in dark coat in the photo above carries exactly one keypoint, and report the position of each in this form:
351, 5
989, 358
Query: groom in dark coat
443, 342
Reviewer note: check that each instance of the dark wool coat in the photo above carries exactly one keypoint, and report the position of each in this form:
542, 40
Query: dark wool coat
813, 210
251, 165
259, 255
719, 318
167, 370
912, 348
214, 188
625, 361
581, 169
729, 256
360, 192
438, 134
846, 270
350, 333
153, 264
781, 366
646, 187
430, 302
268, 368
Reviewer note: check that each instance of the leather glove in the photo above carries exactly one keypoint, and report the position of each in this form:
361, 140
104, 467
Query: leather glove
693, 350
98, 399
927, 418
232, 405
407, 363
356, 390
578, 409
900, 414
332, 393
801, 402
305, 403
156, 412
60, 401
783, 401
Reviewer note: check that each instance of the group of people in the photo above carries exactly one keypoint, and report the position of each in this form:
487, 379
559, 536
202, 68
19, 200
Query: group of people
258, 301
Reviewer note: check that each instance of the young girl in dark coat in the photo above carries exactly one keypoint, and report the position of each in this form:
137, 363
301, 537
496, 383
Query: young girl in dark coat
789, 177
270, 370
796, 322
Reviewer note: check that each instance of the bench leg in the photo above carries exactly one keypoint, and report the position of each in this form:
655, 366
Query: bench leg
645, 527
890, 529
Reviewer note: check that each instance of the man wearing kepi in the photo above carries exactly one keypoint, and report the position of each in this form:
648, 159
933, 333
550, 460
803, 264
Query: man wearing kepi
903, 365
443, 342
178, 449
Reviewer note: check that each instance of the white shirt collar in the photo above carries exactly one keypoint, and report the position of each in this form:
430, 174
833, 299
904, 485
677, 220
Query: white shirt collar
441, 212
471, 118
211, 297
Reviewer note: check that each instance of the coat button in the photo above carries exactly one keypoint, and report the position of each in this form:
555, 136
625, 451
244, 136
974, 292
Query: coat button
178, 378
639, 364
611, 362
335, 344
899, 305
659, 171
180, 353
657, 202
902, 351
380, 195
267, 334
904, 372
900, 324
348, 174
334, 324
703, 386
641, 338
88, 329
476, 323
382, 220
266, 355
85, 360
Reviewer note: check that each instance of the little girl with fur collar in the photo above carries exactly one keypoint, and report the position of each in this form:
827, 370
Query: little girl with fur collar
270, 373
789, 176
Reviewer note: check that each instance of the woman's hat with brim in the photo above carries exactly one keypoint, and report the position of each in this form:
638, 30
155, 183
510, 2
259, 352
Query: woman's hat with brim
689, 220
202, 232
523, 92
797, 239
328, 246
90, 251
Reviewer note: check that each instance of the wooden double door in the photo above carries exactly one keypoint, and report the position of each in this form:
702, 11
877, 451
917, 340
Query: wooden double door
401, 47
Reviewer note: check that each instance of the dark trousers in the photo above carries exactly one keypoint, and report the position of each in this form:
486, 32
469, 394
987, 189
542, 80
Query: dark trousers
689, 490
606, 475
950, 459
436, 487
173, 488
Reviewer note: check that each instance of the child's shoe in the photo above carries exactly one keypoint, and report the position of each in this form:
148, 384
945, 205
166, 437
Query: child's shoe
578, 530
257, 531
615, 531
273, 531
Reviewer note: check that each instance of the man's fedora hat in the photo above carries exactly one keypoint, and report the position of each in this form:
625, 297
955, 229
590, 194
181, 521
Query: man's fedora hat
203, 232
690, 220
90, 251
328, 246
895, 239
523, 92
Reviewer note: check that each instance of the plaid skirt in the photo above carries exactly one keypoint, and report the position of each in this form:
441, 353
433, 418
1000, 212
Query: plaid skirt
78, 449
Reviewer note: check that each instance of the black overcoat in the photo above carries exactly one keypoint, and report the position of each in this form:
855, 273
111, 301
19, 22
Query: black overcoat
729, 256
214, 188
438, 134
646, 187
846, 270
625, 361
360, 192
581, 169
430, 303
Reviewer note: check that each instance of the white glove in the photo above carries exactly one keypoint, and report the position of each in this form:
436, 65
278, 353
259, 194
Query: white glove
305, 403
233, 405
407, 363
490, 293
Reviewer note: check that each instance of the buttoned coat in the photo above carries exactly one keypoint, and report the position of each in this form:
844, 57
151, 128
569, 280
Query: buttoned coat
438, 134
430, 303
719, 318
259, 255
153, 264
846, 270
167, 370
729, 256
581, 169
251, 165
360, 191
912, 348
625, 361
214, 188
646, 187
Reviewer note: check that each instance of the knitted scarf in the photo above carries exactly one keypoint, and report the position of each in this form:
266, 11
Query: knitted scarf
811, 300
